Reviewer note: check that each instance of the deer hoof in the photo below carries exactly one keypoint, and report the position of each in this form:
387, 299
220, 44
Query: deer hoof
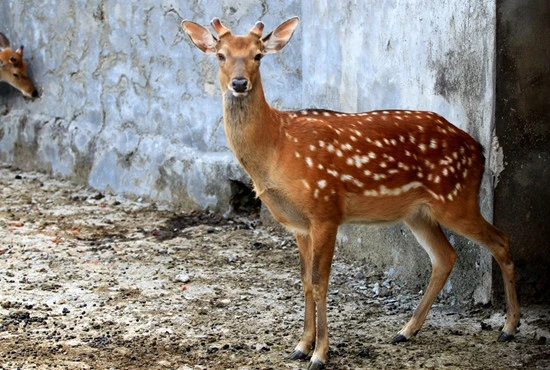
399, 338
316, 365
297, 355
505, 337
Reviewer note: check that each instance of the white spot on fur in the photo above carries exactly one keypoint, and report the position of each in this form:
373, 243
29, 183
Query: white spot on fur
322, 184
346, 146
332, 172
370, 193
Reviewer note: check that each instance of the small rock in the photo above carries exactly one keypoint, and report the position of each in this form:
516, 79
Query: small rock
485, 326
224, 302
376, 289
98, 196
182, 278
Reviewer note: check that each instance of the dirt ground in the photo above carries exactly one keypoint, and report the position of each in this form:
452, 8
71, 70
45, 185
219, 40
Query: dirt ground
95, 281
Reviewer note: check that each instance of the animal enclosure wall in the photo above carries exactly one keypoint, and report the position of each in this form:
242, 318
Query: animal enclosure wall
129, 106
522, 197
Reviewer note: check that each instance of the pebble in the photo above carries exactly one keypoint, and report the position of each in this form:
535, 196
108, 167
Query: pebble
182, 278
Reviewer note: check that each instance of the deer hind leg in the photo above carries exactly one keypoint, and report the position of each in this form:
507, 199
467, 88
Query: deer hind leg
442, 256
476, 228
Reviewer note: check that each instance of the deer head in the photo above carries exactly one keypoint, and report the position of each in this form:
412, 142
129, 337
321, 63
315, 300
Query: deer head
13, 68
239, 56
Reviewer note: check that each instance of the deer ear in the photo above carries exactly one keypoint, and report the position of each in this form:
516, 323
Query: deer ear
280, 36
200, 36
4, 42
20, 50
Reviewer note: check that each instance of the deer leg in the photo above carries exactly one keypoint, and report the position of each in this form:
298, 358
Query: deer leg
482, 232
323, 239
308, 336
442, 256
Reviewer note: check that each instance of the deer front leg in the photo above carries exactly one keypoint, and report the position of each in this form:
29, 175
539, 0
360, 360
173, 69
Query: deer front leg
323, 238
308, 336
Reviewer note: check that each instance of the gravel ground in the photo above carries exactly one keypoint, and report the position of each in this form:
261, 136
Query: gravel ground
95, 281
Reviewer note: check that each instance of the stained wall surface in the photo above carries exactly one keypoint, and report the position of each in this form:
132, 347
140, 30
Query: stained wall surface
522, 197
129, 106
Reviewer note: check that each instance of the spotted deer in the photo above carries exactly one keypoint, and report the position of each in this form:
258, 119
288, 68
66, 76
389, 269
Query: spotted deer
317, 169
13, 68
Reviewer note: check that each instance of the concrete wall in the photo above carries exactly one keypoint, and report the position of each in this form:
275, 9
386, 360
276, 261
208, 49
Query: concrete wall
522, 198
129, 106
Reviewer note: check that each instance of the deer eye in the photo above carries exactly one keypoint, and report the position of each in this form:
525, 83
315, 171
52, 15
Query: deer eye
220, 57
258, 57
15, 75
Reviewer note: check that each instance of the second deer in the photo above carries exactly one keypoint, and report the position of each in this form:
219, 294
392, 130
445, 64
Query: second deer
317, 169
13, 68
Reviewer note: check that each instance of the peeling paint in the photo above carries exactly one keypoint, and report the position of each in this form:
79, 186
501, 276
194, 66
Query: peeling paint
496, 161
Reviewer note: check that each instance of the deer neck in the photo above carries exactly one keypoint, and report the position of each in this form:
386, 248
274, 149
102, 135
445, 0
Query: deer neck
252, 130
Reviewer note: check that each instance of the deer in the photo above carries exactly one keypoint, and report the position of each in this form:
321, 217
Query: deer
13, 68
317, 169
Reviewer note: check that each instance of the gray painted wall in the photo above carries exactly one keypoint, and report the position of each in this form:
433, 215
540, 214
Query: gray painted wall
129, 106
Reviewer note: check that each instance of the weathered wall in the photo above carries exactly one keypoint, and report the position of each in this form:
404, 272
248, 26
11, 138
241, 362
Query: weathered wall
128, 105
522, 197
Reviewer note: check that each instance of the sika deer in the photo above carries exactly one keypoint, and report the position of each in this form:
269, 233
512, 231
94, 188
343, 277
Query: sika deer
317, 169
13, 68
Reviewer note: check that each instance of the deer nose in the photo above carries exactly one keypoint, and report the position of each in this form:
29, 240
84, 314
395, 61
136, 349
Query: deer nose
35, 94
239, 84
